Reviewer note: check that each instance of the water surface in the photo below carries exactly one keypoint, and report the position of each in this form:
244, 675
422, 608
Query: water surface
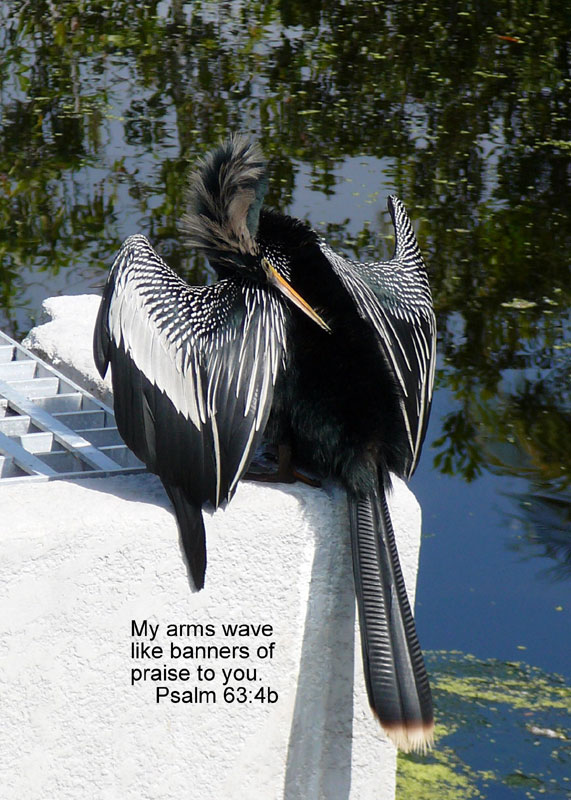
463, 111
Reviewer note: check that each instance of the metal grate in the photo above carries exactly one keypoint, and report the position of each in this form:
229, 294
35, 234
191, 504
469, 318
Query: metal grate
52, 428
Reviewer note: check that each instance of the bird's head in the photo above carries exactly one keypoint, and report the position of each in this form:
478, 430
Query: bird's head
224, 201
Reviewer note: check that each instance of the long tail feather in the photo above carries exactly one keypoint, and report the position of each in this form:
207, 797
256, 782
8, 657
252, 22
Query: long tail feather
395, 674
192, 533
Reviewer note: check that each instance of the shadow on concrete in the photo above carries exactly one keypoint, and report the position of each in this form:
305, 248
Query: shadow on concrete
140, 487
319, 750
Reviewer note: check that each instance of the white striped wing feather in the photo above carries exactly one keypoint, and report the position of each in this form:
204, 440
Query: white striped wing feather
203, 358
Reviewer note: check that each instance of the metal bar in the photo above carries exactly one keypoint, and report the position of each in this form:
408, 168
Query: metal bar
74, 401
21, 352
43, 399
46, 422
34, 387
15, 425
9, 469
70, 476
27, 461
75, 420
17, 370
6, 352
37, 443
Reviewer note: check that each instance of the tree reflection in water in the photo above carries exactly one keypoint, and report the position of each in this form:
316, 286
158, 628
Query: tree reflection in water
104, 104
462, 108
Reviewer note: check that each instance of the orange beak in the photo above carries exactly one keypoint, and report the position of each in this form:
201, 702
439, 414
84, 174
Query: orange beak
288, 291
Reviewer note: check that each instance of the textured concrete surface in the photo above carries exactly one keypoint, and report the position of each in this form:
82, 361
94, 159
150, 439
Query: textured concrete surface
79, 561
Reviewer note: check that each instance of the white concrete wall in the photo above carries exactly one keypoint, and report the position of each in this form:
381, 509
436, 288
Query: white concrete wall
80, 560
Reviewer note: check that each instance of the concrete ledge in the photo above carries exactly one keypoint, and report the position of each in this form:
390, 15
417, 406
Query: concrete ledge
66, 341
80, 560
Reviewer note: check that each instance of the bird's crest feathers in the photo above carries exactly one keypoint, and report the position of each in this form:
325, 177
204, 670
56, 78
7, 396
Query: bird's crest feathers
225, 196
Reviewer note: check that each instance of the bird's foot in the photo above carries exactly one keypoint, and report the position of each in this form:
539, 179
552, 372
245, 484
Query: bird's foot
285, 472
282, 477
307, 479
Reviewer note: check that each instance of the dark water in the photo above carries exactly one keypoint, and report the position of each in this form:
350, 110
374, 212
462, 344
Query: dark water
463, 111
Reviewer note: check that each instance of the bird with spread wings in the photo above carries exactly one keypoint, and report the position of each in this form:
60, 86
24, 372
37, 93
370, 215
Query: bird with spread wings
330, 359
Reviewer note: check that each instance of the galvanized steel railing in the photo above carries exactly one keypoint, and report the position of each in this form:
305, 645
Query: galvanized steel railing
52, 428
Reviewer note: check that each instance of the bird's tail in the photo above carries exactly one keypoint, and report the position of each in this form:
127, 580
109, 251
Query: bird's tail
192, 533
395, 674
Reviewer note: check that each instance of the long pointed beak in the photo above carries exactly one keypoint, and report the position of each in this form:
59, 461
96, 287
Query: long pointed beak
288, 291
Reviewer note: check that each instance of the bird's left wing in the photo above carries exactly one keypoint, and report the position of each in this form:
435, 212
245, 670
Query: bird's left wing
193, 369
394, 297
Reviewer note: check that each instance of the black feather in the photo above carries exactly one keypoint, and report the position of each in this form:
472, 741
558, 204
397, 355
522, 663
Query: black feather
193, 370
224, 202
101, 337
197, 370
349, 404
395, 674
192, 533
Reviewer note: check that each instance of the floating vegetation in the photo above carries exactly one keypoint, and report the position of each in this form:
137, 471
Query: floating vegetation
499, 724
519, 304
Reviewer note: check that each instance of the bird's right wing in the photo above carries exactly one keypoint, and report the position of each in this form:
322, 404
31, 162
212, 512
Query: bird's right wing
193, 370
394, 297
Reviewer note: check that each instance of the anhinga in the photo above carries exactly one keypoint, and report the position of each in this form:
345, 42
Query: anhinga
330, 358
